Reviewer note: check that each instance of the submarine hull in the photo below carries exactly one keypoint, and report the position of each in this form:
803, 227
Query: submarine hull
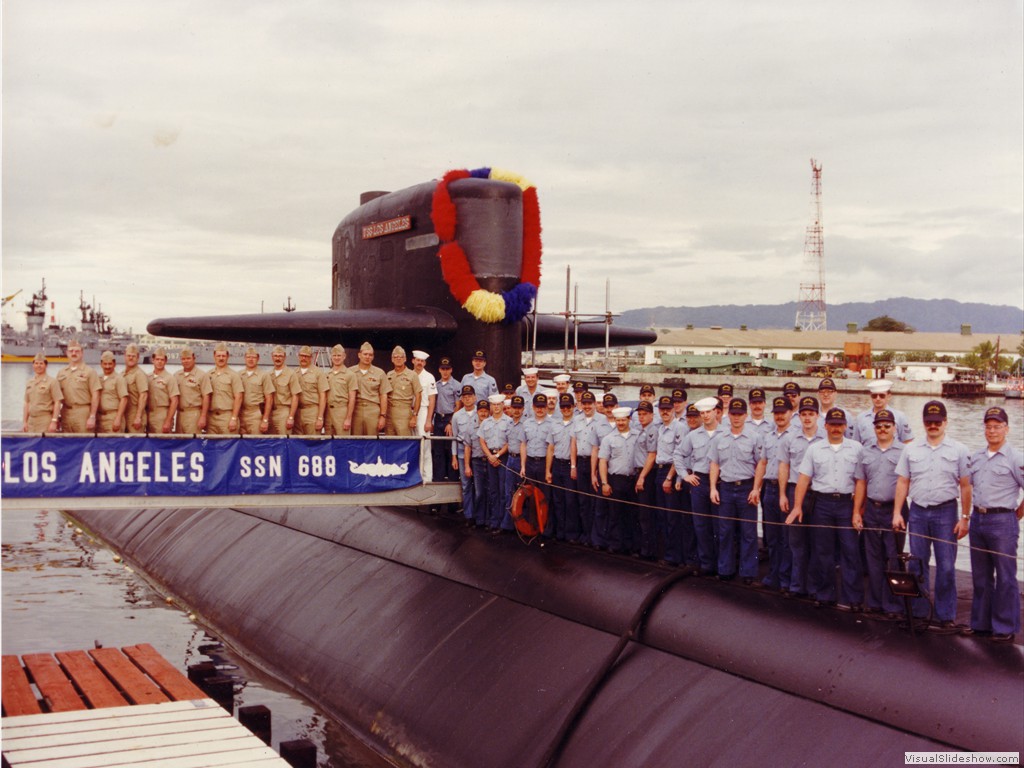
443, 647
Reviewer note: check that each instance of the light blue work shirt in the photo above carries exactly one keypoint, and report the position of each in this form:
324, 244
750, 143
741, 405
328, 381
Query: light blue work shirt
536, 434
603, 427
516, 436
617, 449
646, 443
692, 452
864, 427
997, 478
878, 468
494, 432
669, 436
484, 385
737, 456
770, 452
463, 430
792, 448
560, 436
934, 472
583, 431
476, 450
831, 467
447, 396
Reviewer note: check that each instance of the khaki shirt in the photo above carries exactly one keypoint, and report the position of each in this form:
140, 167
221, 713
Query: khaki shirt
313, 382
138, 383
41, 392
404, 386
78, 384
162, 387
256, 385
225, 384
286, 385
114, 388
371, 383
192, 386
341, 385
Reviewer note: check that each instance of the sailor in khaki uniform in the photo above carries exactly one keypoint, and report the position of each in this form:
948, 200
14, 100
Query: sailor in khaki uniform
287, 391
314, 395
113, 396
406, 392
42, 399
257, 397
341, 394
373, 389
138, 390
194, 392
226, 395
162, 404
81, 388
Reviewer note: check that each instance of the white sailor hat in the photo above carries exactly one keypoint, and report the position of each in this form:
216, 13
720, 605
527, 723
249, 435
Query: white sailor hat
706, 404
419, 354
531, 371
496, 399
562, 378
876, 386
622, 412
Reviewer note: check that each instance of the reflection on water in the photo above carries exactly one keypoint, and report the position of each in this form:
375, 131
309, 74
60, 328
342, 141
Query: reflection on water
64, 591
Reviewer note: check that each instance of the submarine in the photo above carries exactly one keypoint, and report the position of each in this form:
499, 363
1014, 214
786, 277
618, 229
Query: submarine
442, 646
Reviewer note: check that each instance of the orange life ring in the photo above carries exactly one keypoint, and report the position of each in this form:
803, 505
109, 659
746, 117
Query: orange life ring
529, 510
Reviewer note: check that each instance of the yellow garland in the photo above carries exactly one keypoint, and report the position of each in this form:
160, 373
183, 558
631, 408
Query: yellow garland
485, 306
514, 178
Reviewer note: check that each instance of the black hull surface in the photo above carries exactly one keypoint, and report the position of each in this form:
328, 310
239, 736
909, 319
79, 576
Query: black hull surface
444, 647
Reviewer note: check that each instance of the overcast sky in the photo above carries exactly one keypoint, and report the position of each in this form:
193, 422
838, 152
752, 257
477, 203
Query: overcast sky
181, 158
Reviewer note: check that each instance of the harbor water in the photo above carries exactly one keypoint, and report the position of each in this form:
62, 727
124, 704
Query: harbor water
61, 590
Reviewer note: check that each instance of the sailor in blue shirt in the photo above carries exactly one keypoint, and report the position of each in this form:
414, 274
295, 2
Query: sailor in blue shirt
864, 425
829, 470
483, 384
668, 514
448, 392
618, 474
872, 512
584, 443
827, 400
758, 401
791, 452
516, 438
563, 523
693, 467
474, 457
934, 473
997, 476
464, 431
780, 559
535, 441
651, 525
530, 386
604, 424
493, 436
737, 470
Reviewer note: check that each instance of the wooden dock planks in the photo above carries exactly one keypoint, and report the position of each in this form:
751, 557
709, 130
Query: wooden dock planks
117, 707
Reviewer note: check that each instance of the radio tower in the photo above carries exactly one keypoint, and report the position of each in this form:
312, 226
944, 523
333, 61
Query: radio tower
810, 316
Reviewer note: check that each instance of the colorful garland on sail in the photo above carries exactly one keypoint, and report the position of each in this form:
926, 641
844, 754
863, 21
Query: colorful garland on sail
488, 307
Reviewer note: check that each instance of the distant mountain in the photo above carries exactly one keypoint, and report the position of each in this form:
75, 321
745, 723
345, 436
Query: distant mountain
929, 315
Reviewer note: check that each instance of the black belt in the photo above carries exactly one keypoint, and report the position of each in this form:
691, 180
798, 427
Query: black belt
737, 483
561, 461
935, 506
615, 474
444, 417
878, 503
772, 482
993, 510
701, 475
666, 465
837, 496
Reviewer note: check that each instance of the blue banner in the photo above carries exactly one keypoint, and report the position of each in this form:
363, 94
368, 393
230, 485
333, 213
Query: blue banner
40, 467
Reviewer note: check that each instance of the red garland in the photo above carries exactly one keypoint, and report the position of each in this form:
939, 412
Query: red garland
442, 209
531, 238
456, 271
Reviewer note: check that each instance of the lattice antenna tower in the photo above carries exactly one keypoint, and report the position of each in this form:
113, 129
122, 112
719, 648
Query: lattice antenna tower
810, 315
